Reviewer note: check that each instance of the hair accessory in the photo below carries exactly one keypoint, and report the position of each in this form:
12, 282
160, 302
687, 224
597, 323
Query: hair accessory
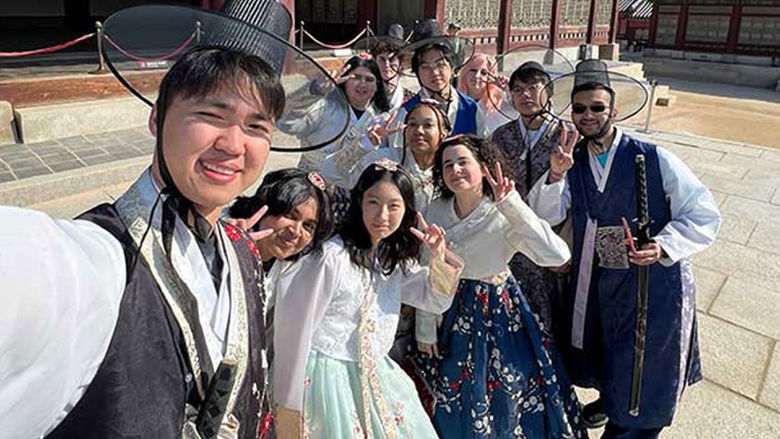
316, 180
387, 164
365, 56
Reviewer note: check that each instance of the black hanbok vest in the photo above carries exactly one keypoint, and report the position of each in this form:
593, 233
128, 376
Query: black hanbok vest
143, 385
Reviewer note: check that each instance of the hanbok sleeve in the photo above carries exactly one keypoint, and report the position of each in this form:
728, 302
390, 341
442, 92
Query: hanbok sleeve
302, 299
430, 286
62, 284
695, 216
426, 326
307, 115
550, 202
530, 235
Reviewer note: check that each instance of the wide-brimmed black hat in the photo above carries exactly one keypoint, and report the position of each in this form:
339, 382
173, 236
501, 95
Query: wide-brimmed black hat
426, 34
630, 95
393, 39
156, 36
537, 58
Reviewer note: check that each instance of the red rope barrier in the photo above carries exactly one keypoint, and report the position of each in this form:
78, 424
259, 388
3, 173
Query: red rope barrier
335, 47
47, 49
175, 51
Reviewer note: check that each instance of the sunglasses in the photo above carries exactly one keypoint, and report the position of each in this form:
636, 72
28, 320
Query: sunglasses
595, 108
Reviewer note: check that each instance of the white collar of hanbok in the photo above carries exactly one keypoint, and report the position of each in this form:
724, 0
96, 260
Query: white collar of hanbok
601, 173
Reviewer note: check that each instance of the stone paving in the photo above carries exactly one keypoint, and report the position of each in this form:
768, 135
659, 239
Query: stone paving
738, 278
19, 161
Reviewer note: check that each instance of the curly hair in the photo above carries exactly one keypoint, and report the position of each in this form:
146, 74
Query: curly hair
484, 151
445, 126
282, 191
399, 249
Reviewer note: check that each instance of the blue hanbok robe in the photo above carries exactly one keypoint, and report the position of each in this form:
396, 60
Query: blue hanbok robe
602, 304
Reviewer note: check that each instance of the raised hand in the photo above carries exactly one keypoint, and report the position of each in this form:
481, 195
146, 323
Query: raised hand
562, 159
338, 75
501, 185
378, 132
432, 236
432, 349
248, 223
500, 81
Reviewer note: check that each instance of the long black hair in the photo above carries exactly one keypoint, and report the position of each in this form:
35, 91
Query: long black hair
401, 247
282, 191
380, 98
484, 151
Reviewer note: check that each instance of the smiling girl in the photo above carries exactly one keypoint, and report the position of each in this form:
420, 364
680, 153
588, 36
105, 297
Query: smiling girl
337, 316
492, 371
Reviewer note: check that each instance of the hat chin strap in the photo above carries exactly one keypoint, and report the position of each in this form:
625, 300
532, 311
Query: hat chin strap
603, 130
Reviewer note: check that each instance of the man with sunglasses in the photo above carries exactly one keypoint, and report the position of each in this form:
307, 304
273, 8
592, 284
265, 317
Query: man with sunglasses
594, 181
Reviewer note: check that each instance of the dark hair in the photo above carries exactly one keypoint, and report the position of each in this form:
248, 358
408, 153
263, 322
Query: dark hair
379, 98
282, 191
445, 50
381, 46
588, 86
444, 122
397, 250
205, 70
484, 151
529, 76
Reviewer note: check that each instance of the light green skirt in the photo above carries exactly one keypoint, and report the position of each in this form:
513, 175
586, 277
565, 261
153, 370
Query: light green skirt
333, 403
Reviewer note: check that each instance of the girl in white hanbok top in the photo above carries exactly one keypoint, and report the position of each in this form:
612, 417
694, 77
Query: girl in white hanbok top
359, 79
425, 126
337, 313
493, 372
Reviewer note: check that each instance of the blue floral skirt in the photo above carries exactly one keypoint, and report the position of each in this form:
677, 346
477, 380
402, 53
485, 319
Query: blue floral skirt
499, 376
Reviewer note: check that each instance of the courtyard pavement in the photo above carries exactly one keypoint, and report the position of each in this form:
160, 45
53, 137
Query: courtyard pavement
738, 278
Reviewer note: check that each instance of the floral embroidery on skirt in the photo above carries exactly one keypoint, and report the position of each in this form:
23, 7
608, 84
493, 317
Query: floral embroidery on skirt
500, 376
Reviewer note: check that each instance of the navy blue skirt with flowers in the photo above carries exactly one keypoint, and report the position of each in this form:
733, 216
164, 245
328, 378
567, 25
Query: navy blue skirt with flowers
499, 376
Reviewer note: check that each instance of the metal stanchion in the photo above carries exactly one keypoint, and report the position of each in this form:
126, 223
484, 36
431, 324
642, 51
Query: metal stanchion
653, 84
301, 40
368, 35
101, 68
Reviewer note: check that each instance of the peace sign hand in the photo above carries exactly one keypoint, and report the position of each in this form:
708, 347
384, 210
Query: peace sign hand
432, 236
501, 185
378, 132
338, 75
562, 159
248, 223
500, 80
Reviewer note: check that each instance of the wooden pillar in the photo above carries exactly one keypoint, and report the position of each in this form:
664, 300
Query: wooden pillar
594, 5
613, 22
653, 26
682, 26
555, 22
734, 24
504, 27
368, 11
212, 5
435, 9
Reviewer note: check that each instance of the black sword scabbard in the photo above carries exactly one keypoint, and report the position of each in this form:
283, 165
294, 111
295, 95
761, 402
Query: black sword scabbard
640, 332
214, 407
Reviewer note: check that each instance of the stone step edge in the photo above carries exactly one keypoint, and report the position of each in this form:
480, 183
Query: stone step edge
42, 188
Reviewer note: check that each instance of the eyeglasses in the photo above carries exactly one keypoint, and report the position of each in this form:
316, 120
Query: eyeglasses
439, 65
595, 108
